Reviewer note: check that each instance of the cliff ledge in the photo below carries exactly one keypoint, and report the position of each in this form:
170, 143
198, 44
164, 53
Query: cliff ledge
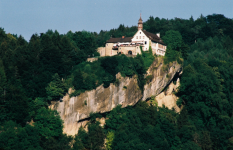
75, 110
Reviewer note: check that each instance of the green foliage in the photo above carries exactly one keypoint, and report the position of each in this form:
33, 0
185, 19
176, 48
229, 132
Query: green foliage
87, 76
48, 123
153, 101
147, 57
3, 82
81, 139
109, 140
36, 104
85, 102
78, 145
14, 136
96, 136
173, 39
141, 127
149, 78
117, 82
56, 88
93, 139
36, 72
176, 49
205, 92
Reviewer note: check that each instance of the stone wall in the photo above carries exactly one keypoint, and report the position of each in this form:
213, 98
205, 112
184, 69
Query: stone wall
75, 110
92, 59
125, 49
102, 51
108, 49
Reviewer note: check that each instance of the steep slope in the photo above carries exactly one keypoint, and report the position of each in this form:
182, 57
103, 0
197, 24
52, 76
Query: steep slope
75, 110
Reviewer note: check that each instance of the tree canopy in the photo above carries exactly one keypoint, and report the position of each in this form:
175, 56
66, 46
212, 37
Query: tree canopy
33, 73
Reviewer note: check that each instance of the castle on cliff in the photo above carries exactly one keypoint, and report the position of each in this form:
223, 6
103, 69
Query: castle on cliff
131, 45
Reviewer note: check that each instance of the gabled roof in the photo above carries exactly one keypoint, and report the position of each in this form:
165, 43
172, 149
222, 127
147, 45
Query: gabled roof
121, 40
153, 37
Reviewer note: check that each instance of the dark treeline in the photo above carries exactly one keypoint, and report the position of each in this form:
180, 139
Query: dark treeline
206, 118
190, 29
34, 73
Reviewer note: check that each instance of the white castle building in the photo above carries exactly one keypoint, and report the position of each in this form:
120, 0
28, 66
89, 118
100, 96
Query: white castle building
131, 45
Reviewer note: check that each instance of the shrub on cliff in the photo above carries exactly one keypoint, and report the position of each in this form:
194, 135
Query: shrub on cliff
88, 76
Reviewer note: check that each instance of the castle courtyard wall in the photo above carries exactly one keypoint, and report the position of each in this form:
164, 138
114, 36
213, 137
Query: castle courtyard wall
108, 49
102, 51
126, 49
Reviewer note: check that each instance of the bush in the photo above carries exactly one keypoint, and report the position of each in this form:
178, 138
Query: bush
149, 78
88, 76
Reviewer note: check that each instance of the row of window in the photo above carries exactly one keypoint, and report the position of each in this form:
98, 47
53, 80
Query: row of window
139, 37
161, 52
161, 46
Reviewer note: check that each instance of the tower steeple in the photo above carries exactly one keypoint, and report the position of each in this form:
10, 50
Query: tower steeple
140, 23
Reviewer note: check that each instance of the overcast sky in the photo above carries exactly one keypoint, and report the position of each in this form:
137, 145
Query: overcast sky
27, 17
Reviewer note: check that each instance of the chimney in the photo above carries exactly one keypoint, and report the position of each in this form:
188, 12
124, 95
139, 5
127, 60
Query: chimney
123, 37
158, 34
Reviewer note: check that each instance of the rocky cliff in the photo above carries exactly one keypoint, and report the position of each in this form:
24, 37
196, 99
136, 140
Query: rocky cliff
75, 110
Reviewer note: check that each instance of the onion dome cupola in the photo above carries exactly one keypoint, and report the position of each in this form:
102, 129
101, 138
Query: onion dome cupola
140, 23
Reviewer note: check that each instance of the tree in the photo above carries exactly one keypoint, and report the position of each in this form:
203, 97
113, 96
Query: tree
96, 136
56, 88
173, 39
3, 82
78, 80
109, 140
175, 44
82, 139
48, 123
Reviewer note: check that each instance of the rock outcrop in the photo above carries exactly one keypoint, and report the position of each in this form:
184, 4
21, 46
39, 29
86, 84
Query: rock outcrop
75, 110
168, 98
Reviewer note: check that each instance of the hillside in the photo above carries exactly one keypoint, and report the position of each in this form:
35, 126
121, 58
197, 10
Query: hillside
124, 92
38, 73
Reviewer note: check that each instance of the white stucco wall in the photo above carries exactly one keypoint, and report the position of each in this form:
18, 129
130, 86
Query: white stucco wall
158, 49
139, 37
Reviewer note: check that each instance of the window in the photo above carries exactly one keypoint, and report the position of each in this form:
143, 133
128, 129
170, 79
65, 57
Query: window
136, 37
139, 37
140, 32
145, 42
143, 37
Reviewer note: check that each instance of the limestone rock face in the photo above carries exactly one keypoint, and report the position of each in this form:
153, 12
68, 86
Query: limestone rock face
167, 98
75, 110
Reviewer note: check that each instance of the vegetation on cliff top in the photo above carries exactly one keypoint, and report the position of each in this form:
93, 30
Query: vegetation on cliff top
205, 121
34, 73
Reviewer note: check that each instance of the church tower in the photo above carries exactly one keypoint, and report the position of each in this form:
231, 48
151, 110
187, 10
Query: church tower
140, 23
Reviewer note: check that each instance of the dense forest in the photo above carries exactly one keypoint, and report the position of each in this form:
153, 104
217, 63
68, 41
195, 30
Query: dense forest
35, 72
